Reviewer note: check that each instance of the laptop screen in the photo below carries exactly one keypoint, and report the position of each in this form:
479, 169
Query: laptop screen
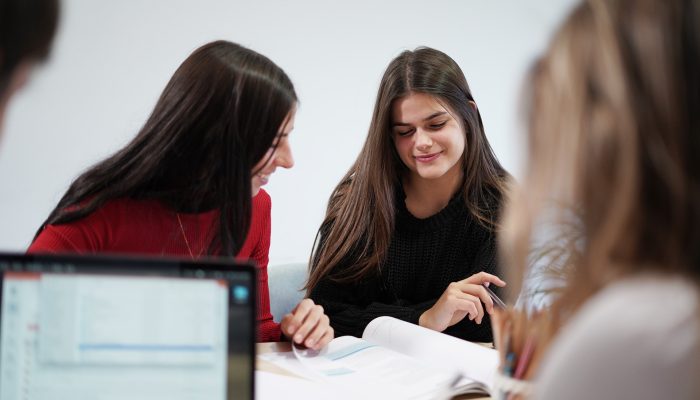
125, 329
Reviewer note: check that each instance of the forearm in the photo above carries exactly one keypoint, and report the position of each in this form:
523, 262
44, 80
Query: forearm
349, 319
269, 331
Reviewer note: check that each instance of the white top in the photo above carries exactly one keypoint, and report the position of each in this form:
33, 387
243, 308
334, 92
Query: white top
636, 339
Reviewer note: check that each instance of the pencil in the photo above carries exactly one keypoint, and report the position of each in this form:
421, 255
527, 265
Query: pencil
524, 358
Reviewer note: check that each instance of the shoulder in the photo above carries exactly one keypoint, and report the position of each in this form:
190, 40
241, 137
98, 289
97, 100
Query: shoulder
637, 338
92, 232
133, 205
261, 212
646, 308
119, 213
128, 212
262, 200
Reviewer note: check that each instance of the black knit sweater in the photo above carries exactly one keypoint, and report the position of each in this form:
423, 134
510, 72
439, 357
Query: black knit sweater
424, 257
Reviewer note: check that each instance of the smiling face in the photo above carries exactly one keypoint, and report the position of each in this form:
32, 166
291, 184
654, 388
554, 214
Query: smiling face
428, 138
279, 155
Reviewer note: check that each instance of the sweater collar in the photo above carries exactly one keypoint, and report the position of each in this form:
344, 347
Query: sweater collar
456, 209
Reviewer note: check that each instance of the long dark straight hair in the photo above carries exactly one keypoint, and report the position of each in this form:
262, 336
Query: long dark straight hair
27, 29
217, 117
360, 217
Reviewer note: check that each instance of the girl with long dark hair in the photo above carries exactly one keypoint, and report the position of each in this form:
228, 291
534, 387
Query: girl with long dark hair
409, 230
189, 184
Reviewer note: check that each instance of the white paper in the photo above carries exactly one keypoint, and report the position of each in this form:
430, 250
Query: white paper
269, 386
439, 350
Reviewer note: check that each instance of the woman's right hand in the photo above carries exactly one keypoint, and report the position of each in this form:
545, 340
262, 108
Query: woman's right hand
461, 299
307, 325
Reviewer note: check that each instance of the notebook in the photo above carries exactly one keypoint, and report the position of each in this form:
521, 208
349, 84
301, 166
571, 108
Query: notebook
126, 328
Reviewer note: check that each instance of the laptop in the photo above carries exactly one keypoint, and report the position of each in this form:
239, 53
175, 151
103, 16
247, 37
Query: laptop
74, 327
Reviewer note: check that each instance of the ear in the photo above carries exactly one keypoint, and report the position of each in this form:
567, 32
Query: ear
473, 104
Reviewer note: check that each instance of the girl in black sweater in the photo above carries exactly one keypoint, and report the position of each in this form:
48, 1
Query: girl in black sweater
410, 230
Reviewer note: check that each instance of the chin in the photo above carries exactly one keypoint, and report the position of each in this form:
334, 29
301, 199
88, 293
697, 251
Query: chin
255, 191
431, 174
430, 177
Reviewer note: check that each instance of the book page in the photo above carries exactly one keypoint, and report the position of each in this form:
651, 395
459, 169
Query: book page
473, 361
269, 385
371, 371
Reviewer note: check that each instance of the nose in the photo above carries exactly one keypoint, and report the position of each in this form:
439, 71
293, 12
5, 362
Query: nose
284, 156
423, 141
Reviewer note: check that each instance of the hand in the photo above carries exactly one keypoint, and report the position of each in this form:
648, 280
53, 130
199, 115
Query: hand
308, 325
461, 299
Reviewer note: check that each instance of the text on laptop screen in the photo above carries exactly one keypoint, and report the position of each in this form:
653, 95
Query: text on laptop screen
81, 336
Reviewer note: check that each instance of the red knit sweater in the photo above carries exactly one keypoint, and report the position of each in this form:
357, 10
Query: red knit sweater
147, 227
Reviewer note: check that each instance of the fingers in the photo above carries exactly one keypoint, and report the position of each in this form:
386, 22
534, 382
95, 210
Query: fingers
477, 310
482, 277
460, 300
308, 325
310, 322
326, 338
478, 291
483, 295
320, 335
292, 321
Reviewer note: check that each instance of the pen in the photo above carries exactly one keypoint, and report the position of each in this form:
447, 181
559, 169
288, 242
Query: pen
498, 302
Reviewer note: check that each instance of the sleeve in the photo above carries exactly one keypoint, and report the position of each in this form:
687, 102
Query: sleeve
349, 311
85, 236
485, 260
268, 330
352, 305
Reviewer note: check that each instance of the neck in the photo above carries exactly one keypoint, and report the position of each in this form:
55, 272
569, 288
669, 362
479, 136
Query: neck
426, 197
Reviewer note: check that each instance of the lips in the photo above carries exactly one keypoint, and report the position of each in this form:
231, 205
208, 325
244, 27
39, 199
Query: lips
426, 158
264, 176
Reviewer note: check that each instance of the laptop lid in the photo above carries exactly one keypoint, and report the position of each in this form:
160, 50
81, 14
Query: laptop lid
126, 328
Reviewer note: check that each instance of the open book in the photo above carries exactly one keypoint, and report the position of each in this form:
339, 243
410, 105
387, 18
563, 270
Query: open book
399, 360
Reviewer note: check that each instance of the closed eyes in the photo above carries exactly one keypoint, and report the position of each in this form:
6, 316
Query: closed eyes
434, 127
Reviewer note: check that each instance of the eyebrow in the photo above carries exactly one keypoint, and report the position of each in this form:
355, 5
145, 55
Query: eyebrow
428, 118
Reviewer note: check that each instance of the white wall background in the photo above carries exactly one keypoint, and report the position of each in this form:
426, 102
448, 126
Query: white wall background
111, 60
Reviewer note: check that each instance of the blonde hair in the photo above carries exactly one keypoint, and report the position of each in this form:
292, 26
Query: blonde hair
614, 139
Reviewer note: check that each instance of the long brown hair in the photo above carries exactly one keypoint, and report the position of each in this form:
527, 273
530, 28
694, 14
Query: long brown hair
359, 220
217, 117
614, 140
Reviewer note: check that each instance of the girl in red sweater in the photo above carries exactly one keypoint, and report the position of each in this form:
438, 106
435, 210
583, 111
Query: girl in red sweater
189, 184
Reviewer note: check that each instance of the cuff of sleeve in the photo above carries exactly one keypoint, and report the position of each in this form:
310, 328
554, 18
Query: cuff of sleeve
419, 310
